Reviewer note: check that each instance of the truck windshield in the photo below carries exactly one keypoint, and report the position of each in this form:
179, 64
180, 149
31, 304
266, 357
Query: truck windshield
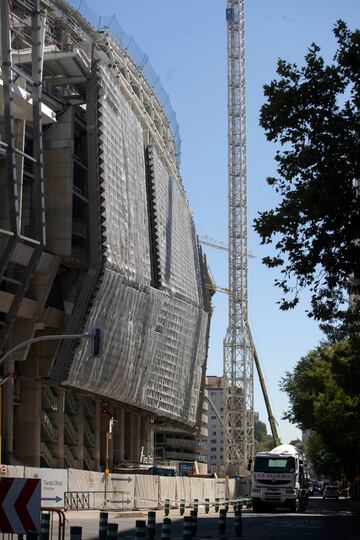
274, 465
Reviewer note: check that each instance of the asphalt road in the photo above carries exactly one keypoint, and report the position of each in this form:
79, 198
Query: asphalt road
323, 520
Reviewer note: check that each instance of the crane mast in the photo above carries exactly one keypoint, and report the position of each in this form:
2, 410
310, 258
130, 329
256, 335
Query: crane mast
238, 348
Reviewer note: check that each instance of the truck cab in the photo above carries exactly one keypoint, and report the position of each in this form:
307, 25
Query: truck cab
278, 479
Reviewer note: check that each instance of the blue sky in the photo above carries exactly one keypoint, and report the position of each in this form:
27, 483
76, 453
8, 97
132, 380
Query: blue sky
186, 43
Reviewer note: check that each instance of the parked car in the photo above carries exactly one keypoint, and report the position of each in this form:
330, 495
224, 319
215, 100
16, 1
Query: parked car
331, 492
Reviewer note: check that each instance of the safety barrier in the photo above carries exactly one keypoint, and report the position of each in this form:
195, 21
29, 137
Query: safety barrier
94, 500
52, 527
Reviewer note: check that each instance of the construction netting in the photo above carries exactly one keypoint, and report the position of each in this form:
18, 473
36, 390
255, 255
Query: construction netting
154, 339
110, 24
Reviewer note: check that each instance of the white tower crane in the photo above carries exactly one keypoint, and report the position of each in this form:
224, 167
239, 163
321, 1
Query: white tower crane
238, 348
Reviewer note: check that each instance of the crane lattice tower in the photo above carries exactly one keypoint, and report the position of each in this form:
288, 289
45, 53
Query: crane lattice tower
238, 349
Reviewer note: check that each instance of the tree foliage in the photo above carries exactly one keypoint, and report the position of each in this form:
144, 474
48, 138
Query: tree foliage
320, 404
313, 113
263, 441
323, 461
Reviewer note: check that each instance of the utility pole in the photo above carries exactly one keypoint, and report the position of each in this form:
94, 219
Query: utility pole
238, 349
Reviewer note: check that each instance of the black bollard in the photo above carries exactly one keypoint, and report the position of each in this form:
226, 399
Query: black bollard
238, 523
166, 529
45, 525
226, 505
207, 506
188, 528
167, 507
112, 531
196, 505
75, 533
222, 520
140, 528
151, 524
103, 523
193, 515
182, 507
217, 504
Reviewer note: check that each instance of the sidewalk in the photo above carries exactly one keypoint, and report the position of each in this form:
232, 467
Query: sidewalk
89, 521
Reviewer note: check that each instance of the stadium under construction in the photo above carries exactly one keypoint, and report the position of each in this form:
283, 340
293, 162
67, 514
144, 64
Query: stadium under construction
95, 230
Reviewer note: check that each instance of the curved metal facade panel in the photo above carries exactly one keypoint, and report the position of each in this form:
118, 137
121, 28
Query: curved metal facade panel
123, 174
178, 252
154, 338
154, 348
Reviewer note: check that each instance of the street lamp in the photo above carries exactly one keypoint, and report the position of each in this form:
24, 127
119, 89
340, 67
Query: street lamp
93, 333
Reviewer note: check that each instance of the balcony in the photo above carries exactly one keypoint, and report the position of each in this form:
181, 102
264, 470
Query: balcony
48, 431
47, 456
89, 435
89, 463
185, 456
71, 403
71, 434
180, 443
49, 400
69, 460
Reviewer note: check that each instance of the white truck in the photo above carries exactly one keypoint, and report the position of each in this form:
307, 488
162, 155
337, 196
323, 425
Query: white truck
278, 479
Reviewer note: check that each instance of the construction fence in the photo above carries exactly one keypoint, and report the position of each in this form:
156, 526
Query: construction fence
87, 490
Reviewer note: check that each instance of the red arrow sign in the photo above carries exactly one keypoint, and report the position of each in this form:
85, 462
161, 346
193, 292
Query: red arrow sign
20, 505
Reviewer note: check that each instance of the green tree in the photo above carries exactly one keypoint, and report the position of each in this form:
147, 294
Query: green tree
299, 444
324, 462
263, 441
313, 113
319, 403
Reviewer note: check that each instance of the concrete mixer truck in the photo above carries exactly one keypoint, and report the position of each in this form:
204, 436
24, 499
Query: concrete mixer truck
279, 479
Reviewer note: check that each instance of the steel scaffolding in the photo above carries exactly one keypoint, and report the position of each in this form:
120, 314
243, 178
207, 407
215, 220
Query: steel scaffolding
238, 348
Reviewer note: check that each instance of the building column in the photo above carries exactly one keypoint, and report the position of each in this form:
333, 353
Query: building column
147, 435
136, 436
60, 421
8, 413
118, 436
97, 426
128, 438
78, 421
28, 416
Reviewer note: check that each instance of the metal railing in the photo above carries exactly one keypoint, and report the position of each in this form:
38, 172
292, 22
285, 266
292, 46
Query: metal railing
70, 459
70, 429
50, 430
95, 500
47, 455
49, 399
89, 434
89, 461
71, 403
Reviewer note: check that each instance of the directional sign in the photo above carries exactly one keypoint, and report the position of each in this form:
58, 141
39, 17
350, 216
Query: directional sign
20, 505
53, 484
117, 479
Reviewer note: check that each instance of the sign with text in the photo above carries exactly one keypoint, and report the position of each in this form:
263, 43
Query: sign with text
53, 484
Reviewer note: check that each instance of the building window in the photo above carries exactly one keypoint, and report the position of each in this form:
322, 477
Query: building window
213, 449
214, 432
213, 417
213, 441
